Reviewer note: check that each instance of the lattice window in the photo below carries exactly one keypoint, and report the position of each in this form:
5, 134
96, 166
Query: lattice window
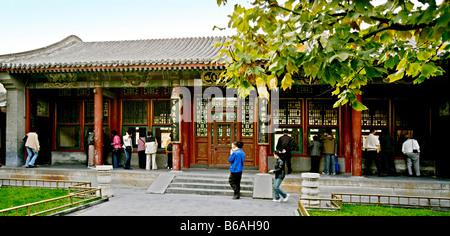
161, 112
377, 115
151, 91
404, 114
321, 113
289, 113
135, 112
68, 113
201, 107
89, 112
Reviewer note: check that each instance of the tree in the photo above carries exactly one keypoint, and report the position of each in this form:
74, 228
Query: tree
343, 43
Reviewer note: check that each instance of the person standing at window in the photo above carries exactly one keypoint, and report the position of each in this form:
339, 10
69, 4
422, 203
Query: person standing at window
151, 146
411, 149
91, 145
141, 148
315, 148
287, 143
237, 157
330, 151
117, 145
128, 148
387, 153
371, 144
169, 148
33, 147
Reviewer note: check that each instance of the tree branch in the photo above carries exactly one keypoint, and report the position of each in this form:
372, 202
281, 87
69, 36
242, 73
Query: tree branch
399, 27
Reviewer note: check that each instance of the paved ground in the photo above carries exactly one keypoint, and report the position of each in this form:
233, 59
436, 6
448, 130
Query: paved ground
129, 201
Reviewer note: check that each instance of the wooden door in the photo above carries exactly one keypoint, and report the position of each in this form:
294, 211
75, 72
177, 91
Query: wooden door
224, 136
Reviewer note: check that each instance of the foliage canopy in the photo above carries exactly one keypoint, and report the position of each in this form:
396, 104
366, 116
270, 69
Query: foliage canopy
344, 43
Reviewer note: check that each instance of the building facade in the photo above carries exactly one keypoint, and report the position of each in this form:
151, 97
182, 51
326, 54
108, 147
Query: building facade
146, 85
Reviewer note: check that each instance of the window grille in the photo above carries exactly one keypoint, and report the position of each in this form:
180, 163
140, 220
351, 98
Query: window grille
135, 112
321, 113
161, 112
289, 113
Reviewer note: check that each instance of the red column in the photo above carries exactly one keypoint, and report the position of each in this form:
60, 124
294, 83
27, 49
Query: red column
263, 154
357, 142
98, 125
348, 138
186, 136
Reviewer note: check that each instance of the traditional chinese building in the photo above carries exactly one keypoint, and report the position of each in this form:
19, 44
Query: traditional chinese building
68, 87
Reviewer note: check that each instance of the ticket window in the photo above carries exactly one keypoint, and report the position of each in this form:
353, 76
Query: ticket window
295, 133
366, 133
320, 133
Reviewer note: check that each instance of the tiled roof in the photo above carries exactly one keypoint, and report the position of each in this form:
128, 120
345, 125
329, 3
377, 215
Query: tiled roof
72, 54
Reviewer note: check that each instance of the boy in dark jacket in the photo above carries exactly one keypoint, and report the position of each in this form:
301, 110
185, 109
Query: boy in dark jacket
280, 173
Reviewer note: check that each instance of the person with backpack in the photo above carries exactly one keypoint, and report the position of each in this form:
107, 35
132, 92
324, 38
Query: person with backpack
151, 146
169, 148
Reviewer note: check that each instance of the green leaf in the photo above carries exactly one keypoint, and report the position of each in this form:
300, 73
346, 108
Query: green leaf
358, 106
428, 70
423, 55
396, 76
391, 62
372, 72
287, 82
414, 69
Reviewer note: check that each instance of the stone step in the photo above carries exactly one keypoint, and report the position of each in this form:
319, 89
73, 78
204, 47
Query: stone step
208, 186
203, 191
208, 180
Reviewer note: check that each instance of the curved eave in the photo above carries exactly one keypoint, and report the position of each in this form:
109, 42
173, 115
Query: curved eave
198, 66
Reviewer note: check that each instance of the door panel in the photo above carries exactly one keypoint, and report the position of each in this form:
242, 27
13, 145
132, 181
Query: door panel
223, 137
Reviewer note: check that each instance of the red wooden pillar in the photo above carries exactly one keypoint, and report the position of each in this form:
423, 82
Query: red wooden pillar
263, 155
348, 138
98, 125
186, 134
357, 142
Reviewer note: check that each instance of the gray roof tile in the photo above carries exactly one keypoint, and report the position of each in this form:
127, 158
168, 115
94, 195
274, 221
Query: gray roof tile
72, 52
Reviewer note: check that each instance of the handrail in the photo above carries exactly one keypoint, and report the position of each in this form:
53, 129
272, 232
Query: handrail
41, 183
400, 200
80, 195
335, 203
302, 208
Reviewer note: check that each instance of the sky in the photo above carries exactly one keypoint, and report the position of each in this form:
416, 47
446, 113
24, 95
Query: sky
32, 24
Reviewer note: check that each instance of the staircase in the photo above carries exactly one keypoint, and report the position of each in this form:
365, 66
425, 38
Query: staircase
208, 185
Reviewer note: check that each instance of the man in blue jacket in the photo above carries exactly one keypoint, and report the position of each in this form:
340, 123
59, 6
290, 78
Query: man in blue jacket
237, 157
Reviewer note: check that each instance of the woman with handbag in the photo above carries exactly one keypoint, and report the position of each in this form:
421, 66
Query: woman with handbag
411, 149
128, 149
